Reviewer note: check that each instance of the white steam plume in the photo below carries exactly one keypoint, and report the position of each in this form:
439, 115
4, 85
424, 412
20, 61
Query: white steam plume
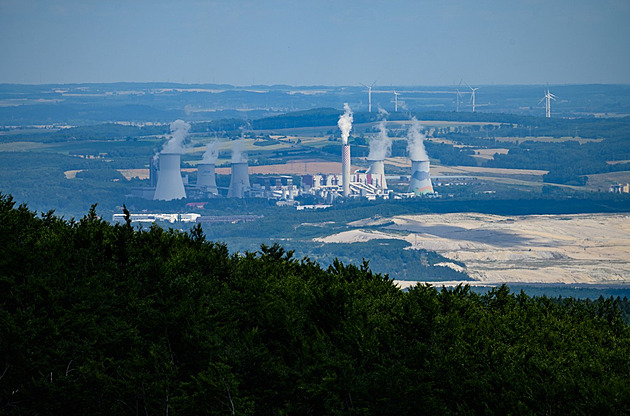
179, 132
345, 123
415, 141
238, 152
381, 145
212, 152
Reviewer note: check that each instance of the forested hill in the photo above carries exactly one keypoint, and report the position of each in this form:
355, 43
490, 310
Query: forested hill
103, 319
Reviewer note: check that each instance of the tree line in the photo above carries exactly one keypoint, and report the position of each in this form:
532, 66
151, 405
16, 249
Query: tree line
107, 319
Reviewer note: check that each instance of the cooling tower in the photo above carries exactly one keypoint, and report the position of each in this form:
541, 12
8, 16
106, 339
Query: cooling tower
345, 165
420, 182
240, 180
170, 184
206, 177
377, 170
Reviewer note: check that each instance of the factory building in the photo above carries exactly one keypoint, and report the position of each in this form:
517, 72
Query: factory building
156, 217
360, 185
619, 188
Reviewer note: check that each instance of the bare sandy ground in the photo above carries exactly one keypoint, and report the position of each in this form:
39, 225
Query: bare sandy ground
584, 248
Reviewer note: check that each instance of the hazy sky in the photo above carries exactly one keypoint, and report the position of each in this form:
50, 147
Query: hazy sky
302, 42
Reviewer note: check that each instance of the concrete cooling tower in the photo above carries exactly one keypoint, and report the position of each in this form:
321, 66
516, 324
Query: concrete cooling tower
206, 177
377, 170
240, 180
420, 182
169, 184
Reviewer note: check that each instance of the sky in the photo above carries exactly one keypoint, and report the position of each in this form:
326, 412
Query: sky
316, 42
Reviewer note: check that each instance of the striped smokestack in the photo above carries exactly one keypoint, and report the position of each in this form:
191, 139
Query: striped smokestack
345, 125
345, 165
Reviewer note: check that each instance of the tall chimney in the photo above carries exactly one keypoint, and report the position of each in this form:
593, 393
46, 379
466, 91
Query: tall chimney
239, 182
377, 170
153, 171
345, 165
206, 177
420, 182
169, 184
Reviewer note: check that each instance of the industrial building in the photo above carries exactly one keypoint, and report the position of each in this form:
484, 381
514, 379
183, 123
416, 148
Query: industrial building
619, 188
156, 217
328, 187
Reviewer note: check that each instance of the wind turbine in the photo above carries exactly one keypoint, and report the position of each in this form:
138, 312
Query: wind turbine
369, 96
548, 97
396, 101
472, 96
458, 96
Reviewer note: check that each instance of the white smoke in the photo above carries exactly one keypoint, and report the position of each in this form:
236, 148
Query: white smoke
415, 141
179, 132
381, 145
345, 123
212, 152
238, 151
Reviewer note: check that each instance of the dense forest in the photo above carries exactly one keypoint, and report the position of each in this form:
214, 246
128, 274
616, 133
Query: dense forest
107, 319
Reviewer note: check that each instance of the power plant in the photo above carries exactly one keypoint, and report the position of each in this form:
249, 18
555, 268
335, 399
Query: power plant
167, 182
170, 184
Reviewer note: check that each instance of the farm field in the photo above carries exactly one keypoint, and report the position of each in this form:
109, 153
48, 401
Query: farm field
602, 181
544, 139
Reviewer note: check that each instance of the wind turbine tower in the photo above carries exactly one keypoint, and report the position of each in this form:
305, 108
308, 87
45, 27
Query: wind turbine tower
472, 96
458, 96
369, 96
396, 101
548, 97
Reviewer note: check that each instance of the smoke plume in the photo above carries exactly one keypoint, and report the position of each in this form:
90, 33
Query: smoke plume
345, 123
238, 152
415, 141
381, 145
179, 132
212, 152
